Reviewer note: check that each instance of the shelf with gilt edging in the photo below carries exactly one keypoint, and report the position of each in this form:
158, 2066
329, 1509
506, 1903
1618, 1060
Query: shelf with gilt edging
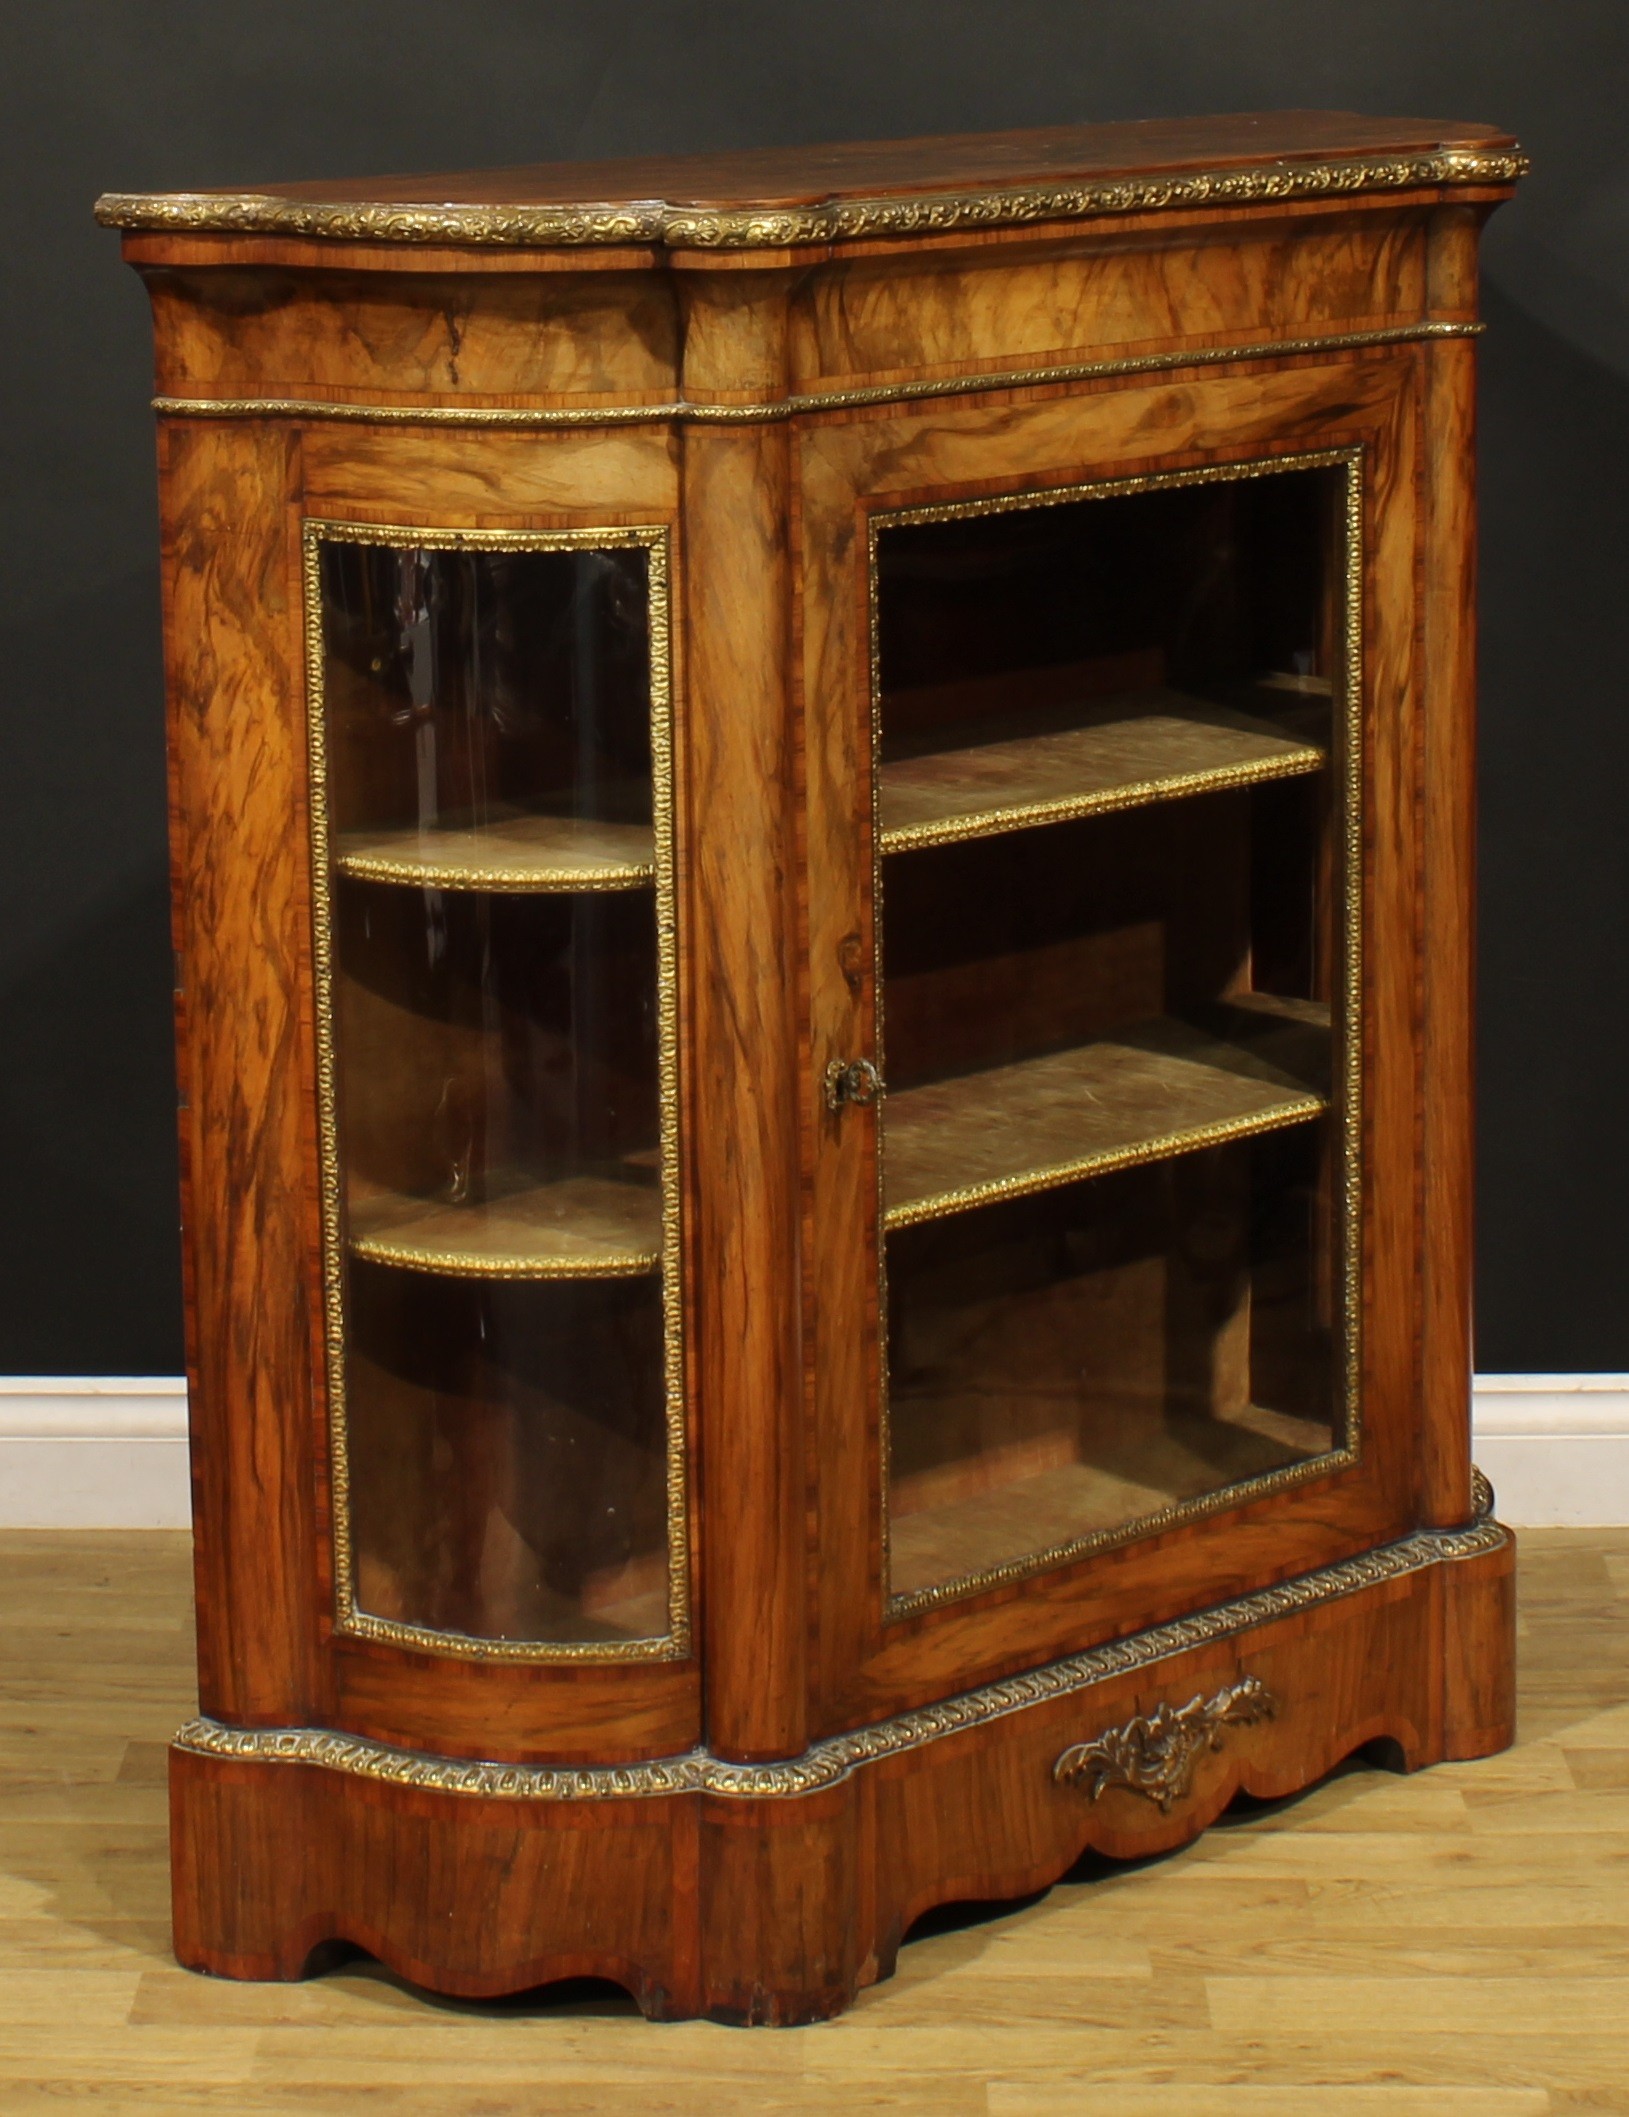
1067, 764
1145, 1093
515, 853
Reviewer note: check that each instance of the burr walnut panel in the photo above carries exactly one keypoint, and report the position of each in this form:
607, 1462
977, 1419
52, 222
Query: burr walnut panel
1104, 295
240, 918
230, 333
533, 480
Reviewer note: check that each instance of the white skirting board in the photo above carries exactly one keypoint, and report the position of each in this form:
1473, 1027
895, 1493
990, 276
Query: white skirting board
93, 1452
1556, 1448
110, 1451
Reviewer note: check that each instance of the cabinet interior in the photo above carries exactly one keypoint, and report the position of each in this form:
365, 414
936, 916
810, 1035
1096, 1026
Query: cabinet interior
501, 1033
1112, 935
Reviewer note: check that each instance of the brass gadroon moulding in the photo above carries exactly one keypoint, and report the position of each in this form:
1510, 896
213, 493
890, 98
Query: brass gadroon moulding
657, 223
827, 1763
1155, 1755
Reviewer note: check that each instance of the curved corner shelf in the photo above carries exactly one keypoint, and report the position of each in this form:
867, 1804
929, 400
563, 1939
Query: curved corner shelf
1154, 1090
518, 853
582, 1227
1148, 746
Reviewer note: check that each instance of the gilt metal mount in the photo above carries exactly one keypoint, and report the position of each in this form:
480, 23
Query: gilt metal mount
1155, 1756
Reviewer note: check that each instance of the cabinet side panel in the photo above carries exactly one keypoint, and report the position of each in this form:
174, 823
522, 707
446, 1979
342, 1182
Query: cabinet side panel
232, 628
1449, 877
1479, 1654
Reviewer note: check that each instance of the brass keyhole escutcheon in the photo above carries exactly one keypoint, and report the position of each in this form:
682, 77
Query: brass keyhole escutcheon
852, 1081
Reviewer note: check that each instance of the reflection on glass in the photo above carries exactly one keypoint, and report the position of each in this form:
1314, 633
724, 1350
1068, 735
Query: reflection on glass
1111, 940
466, 689
494, 1020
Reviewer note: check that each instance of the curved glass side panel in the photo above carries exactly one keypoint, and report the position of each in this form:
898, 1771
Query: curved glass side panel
1117, 905
493, 894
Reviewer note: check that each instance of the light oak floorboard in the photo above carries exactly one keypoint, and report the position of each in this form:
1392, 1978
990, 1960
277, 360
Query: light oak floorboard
1455, 1945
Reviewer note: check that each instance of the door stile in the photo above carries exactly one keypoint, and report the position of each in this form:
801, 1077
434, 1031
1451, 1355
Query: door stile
746, 1051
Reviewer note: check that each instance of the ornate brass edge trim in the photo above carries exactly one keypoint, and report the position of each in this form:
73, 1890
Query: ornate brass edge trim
664, 812
853, 220
472, 1264
1154, 1754
483, 416
1163, 1148
349, 1620
1133, 794
1348, 757
645, 222
637, 224
519, 881
803, 405
827, 1763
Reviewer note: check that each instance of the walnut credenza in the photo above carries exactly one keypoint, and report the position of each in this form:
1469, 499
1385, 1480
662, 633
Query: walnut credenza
823, 835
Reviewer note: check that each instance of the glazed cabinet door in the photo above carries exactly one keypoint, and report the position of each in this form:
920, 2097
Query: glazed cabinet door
495, 1007
487, 728
1111, 847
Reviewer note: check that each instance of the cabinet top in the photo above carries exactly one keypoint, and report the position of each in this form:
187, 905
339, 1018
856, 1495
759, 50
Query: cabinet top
774, 198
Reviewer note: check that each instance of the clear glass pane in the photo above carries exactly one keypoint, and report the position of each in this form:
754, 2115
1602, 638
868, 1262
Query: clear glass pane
1112, 890
507, 1454
496, 1017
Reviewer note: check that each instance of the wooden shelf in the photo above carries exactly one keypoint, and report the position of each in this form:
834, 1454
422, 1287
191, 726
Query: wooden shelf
1148, 746
946, 1527
1153, 1090
584, 1227
518, 853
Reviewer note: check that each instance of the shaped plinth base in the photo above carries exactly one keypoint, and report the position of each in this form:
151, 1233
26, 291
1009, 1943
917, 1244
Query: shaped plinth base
773, 1893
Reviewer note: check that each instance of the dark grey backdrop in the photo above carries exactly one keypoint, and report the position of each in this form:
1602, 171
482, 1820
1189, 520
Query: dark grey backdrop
160, 94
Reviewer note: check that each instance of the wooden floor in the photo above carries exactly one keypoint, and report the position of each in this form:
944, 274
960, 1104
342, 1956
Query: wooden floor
1454, 1943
